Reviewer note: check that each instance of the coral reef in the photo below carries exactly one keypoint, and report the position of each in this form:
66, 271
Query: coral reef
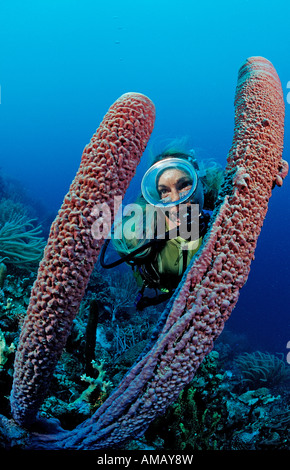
14, 299
213, 412
77, 388
195, 316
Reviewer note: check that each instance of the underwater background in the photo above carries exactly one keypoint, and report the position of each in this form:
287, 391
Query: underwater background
63, 63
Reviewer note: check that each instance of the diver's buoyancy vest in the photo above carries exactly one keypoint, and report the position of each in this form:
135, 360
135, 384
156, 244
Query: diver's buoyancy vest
165, 269
175, 256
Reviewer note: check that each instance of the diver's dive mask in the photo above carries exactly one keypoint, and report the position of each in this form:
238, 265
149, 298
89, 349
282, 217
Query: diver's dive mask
192, 193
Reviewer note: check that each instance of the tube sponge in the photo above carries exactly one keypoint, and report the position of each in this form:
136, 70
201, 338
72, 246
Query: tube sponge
107, 166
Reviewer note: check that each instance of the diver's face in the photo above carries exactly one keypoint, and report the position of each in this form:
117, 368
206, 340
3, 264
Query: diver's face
173, 185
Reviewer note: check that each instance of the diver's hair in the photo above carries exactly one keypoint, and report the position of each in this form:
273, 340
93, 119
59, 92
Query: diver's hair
167, 146
211, 175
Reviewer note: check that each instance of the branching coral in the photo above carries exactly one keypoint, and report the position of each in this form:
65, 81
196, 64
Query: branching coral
87, 401
262, 368
20, 242
98, 383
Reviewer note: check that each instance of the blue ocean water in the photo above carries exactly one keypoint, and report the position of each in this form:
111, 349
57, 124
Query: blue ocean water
63, 63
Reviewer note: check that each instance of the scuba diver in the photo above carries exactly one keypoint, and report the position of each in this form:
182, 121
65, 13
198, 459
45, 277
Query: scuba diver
171, 187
